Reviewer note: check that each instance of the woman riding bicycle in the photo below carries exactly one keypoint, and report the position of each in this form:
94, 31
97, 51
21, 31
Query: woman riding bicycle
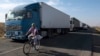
32, 32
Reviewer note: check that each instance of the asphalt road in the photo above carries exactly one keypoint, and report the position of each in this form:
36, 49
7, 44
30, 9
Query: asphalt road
96, 45
71, 44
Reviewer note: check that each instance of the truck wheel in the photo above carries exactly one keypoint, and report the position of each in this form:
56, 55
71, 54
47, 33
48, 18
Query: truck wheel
49, 34
14, 39
44, 33
59, 31
62, 32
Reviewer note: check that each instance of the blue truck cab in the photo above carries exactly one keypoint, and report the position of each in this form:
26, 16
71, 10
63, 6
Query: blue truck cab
19, 20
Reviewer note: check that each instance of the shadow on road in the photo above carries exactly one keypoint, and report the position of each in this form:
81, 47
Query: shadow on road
73, 41
96, 43
44, 52
69, 41
18, 41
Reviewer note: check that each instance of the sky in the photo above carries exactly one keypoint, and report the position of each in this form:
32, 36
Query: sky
87, 11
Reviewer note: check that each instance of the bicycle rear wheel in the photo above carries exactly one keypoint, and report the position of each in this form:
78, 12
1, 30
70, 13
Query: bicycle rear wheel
26, 48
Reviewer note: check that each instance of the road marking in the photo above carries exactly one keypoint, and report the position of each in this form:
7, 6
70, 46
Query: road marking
85, 33
80, 33
10, 51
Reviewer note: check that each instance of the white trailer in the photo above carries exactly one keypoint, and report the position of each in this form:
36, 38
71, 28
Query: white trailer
53, 18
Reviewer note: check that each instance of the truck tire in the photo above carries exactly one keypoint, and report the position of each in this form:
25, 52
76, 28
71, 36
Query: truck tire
49, 34
14, 39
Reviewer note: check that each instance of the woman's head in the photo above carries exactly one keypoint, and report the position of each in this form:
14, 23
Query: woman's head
33, 25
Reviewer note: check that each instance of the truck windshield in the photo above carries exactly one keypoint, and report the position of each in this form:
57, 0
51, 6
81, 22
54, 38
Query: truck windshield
16, 14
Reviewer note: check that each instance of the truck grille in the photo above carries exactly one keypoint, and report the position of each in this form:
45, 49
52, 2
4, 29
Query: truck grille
13, 27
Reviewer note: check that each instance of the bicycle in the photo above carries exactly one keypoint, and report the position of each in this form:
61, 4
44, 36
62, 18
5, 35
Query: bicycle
30, 45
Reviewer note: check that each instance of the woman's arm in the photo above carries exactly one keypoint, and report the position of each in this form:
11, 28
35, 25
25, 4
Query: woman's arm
29, 31
35, 32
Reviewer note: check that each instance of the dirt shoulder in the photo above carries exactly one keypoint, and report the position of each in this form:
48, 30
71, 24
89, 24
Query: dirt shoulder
1, 29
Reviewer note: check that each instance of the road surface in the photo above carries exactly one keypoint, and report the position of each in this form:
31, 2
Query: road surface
71, 44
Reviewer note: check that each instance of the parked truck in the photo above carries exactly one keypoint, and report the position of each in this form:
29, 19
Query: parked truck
47, 19
85, 26
81, 25
75, 24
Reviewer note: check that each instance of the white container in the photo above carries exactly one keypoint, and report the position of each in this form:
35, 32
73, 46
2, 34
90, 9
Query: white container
53, 18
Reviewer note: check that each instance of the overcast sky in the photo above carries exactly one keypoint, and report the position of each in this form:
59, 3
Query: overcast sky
87, 11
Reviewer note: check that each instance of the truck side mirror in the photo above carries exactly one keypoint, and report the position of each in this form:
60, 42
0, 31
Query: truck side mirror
5, 16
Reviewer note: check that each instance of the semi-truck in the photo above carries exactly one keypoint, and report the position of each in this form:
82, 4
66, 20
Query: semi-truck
48, 20
75, 23
85, 26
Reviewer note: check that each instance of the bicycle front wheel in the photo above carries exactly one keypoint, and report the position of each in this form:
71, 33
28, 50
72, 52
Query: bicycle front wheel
37, 46
26, 48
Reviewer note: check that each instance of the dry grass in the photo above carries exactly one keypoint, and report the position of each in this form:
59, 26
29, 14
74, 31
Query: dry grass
97, 29
1, 29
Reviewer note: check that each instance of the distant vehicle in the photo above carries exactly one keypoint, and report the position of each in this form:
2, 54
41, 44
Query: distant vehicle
47, 19
71, 24
85, 26
76, 24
